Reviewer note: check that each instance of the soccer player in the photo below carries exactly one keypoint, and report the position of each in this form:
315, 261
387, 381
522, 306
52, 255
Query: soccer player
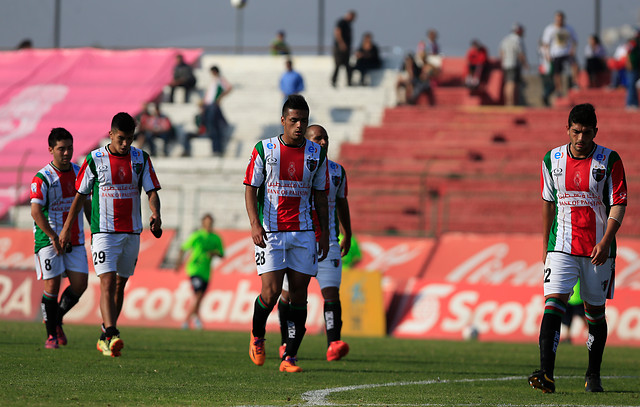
52, 191
204, 244
115, 175
330, 269
284, 174
585, 196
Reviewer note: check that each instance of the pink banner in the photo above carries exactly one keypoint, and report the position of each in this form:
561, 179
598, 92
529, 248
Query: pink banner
78, 89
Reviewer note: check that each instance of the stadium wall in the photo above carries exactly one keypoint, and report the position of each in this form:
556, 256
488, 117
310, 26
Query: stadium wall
430, 289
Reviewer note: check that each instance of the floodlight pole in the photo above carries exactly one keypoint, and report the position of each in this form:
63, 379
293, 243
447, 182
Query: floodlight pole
239, 29
320, 27
597, 17
56, 23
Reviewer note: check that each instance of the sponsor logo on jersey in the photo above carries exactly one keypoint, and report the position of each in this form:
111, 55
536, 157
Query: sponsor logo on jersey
102, 168
292, 169
135, 153
54, 184
312, 149
558, 155
47, 173
335, 179
271, 146
557, 172
598, 173
334, 166
623, 195
311, 164
271, 160
137, 167
99, 154
601, 157
34, 187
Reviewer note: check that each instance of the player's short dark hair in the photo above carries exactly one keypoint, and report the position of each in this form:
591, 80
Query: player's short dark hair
123, 122
584, 114
294, 102
215, 69
57, 134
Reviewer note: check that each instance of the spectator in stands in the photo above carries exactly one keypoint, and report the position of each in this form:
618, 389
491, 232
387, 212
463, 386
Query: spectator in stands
342, 35
25, 44
182, 77
430, 46
633, 70
279, 46
595, 56
367, 57
415, 80
513, 59
476, 73
214, 119
201, 131
291, 81
153, 125
546, 76
560, 43
618, 67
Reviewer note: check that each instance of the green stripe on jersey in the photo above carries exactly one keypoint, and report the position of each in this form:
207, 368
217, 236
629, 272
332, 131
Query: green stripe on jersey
95, 201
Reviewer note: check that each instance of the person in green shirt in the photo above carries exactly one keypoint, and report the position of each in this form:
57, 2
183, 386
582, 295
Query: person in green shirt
354, 255
203, 245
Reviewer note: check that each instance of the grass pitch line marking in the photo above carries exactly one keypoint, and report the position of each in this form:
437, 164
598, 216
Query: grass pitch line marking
318, 397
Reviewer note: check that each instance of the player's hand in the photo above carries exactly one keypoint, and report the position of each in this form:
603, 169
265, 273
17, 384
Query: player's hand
323, 247
259, 236
345, 245
155, 224
59, 248
600, 254
62, 240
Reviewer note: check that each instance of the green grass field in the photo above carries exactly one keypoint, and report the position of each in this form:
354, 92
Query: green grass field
180, 368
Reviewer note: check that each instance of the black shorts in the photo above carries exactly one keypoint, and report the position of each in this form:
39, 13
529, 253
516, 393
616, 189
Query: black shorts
512, 75
198, 284
557, 64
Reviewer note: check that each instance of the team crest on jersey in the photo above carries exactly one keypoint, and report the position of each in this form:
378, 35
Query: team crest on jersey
121, 173
292, 169
137, 167
335, 179
312, 164
577, 180
598, 173
272, 160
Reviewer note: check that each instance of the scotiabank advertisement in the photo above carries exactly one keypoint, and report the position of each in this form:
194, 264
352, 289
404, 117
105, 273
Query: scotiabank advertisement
491, 286
465, 285
157, 296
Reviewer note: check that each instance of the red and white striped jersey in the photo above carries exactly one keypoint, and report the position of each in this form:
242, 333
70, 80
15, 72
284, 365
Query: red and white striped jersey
584, 191
285, 176
116, 183
54, 190
337, 189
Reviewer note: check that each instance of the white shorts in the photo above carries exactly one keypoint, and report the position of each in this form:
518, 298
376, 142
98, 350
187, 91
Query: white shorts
294, 250
329, 270
115, 252
50, 265
561, 273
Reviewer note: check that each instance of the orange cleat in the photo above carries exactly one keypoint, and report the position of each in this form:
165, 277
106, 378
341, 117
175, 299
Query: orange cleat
289, 365
256, 350
337, 350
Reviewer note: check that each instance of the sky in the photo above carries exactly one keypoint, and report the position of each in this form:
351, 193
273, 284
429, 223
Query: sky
215, 25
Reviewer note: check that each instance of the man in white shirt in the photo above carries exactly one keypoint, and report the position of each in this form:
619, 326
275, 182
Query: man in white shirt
560, 43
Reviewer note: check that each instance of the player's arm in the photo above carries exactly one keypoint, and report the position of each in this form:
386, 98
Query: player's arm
78, 203
154, 205
344, 216
43, 224
600, 251
258, 233
548, 214
322, 209
87, 210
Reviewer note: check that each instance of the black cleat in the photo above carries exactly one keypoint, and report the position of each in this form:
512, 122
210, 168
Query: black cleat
592, 383
539, 380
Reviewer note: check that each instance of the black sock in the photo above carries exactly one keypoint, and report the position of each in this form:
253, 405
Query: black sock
283, 314
296, 328
596, 341
67, 301
50, 312
550, 334
333, 320
111, 331
261, 311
